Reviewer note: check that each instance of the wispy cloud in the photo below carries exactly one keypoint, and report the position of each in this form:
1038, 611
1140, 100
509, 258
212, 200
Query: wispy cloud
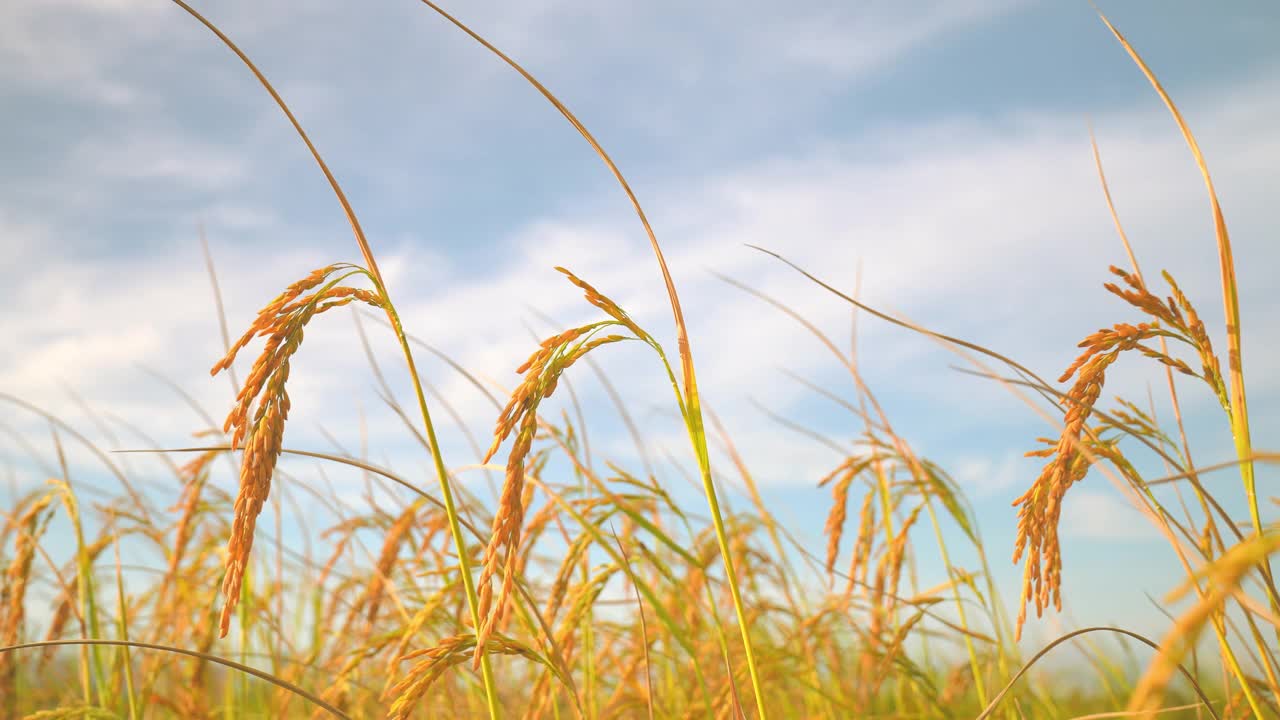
1101, 515
926, 209
849, 40
185, 162
69, 47
981, 476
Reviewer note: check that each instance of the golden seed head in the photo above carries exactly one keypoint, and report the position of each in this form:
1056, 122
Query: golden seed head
264, 398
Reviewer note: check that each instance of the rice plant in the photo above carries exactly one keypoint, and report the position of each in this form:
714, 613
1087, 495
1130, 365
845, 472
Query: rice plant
585, 590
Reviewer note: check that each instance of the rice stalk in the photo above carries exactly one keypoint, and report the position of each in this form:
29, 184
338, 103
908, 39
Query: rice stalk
689, 400
13, 589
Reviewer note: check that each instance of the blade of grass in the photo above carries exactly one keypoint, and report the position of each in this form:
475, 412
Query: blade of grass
122, 607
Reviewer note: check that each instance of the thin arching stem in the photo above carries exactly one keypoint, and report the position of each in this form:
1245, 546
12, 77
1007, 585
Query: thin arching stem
371, 264
277, 681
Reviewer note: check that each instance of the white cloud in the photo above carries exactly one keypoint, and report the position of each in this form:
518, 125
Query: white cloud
21, 237
981, 476
70, 46
975, 228
167, 159
1100, 515
842, 39
851, 39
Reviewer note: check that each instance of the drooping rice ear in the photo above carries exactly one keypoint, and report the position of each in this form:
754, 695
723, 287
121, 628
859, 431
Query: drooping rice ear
282, 321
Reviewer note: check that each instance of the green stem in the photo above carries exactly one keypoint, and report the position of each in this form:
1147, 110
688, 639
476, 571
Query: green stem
691, 411
698, 436
1238, 408
974, 667
689, 403
451, 510
122, 607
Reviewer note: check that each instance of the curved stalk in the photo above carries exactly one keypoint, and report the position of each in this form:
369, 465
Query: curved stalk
451, 509
371, 264
691, 407
232, 664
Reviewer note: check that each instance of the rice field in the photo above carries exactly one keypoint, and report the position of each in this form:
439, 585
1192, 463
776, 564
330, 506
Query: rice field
583, 589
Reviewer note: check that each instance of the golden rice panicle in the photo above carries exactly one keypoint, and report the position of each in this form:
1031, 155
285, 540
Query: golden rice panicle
433, 662
859, 562
1180, 316
1194, 328
281, 322
196, 473
505, 538
13, 590
267, 315
541, 372
1041, 506
611, 308
834, 528
396, 536
283, 329
1139, 296
897, 551
12, 609
531, 389
260, 455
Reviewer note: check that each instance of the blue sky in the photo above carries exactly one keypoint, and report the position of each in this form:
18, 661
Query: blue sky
942, 146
